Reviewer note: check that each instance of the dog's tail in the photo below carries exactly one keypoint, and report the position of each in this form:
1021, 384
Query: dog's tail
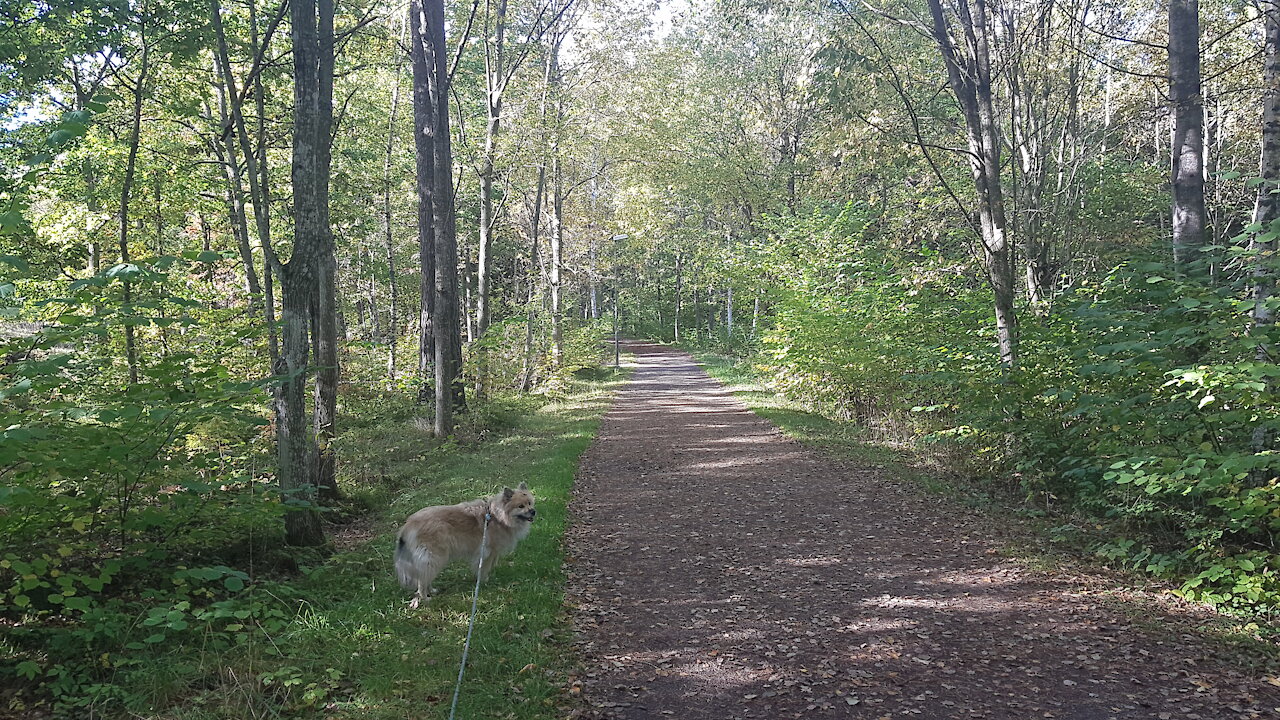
405, 569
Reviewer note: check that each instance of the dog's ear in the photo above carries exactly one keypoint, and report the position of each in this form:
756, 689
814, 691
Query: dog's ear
507, 493
523, 486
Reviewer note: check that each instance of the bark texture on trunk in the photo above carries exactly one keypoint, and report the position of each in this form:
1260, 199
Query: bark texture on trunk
424, 151
301, 276
449, 391
969, 75
326, 306
1187, 173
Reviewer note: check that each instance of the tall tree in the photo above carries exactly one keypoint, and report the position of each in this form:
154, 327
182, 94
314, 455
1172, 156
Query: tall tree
1266, 209
387, 225
424, 170
969, 75
1187, 117
138, 88
235, 132
557, 197
429, 34
300, 277
324, 312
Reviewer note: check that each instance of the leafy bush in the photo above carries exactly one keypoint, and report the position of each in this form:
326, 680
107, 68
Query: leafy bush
109, 485
1139, 401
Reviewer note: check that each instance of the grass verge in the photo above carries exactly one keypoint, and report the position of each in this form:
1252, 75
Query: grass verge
350, 647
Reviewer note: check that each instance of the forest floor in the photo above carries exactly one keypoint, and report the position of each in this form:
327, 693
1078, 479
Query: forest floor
720, 569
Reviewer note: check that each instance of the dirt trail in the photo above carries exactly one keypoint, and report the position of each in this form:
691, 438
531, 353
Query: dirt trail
720, 570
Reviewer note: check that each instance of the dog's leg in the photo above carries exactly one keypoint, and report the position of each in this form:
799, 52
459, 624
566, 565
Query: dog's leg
490, 559
428, 567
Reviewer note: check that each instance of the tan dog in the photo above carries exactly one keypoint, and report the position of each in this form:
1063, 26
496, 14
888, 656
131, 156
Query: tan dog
436, 536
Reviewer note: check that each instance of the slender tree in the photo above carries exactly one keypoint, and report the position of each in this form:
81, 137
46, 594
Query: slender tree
138, 88
235, 133
969, 75
424, 158
325, 309
1187, 118
387, 224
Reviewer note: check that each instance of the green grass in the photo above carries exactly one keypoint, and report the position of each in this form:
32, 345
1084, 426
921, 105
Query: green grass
351, 648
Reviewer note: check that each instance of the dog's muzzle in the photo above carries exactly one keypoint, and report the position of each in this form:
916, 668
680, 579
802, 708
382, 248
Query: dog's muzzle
528, 516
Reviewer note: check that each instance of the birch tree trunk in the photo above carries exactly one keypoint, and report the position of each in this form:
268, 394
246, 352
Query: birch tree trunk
557, 249
728, 312
679, 289
1187, 111
557, 208
969, 75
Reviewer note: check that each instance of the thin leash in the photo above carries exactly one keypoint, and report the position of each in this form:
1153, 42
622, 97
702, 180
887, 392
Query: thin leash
471, 624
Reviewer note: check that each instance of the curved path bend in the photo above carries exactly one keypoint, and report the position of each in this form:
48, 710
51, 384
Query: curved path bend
720, 570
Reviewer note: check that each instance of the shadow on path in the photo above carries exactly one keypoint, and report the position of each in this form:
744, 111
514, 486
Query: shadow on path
721, 570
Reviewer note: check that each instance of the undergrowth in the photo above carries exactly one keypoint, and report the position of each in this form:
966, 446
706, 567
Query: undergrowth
328, 633
1064, 533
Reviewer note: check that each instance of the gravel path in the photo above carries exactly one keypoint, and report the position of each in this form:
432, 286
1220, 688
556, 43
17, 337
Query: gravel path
720, 570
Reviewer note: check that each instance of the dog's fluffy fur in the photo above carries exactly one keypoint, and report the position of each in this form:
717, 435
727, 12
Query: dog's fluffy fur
436, 536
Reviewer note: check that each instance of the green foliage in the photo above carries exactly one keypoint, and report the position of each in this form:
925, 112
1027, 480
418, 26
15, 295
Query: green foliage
109, 485
1139, 401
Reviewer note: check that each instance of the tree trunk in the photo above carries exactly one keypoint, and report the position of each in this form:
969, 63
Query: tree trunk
557, 249
495, 85
1188, 134
557, 211
91, 190
420, 59
728, 312
449, 393
235, 183
1266, 210
531, 306
969, 75
326, 305
255, 164
126, 189
679, 289
300, 276
393, 333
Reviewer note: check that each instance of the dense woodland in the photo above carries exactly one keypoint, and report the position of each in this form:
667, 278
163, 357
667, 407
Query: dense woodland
1031, 242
